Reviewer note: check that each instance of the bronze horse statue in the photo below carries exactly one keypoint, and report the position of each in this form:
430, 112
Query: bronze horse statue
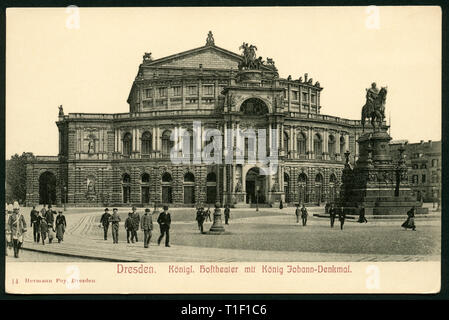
375, 109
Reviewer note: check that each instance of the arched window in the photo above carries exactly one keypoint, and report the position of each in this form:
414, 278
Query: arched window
211, 177
332, 187
331, 147
187, 143
319, 188
189, 177
211, 187
147, 143
166, 188
189, 188
287, 187
126, 188
127, 144
318, 146
342, 145
166, 177
286, 146
145, 178
145, 188
318, 178
302, 189
301, 144
167, 144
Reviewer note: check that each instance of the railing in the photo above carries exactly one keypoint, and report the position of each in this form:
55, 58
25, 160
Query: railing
47, 158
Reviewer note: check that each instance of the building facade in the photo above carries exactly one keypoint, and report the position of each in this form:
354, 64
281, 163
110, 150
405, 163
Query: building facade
423, 160
121, 159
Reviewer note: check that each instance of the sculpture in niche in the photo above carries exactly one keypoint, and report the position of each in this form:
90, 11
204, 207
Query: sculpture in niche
90, 186
238, 186
91, 146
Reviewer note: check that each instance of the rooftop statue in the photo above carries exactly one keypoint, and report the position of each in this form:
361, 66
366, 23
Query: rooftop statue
147, 56
61, 111
210, 39
374, 107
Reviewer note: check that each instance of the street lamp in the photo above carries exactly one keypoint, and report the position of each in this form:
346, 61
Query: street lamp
257, 198
65, 197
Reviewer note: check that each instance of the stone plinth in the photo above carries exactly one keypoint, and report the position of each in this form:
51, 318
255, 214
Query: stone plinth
375, 182
217, 226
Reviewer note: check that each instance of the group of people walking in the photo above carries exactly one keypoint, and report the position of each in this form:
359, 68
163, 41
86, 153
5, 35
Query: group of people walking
133, 222
45, 223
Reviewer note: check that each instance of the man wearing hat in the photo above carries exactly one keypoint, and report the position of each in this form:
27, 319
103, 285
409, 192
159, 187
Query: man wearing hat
17, 226
164, 221
147, 227
136, 219
49, 217
8, 238
115, 221
104, 221
34, 221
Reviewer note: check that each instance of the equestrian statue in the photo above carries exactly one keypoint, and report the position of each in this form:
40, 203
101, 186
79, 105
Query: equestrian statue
374, 107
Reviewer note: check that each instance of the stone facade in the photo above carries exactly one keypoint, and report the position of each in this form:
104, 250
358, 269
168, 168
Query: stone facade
123, 159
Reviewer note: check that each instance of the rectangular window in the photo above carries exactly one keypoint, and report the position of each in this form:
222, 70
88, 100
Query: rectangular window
295, 95
313, 98
305, 97
208, 90
192, 90
177, 91
149, 93
162, 92
423, 178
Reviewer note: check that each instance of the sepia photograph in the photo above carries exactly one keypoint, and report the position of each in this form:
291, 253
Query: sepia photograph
223, 149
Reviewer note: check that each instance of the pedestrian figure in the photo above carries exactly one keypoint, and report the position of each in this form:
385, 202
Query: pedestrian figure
34, 218
410, 222
341, 217
49, 217
326, 208
332, 214
362, 218
115, 222
200, 217
61, 225
17, 226
43, 210
297, 212
136, 219
304, 215
207, 213
227, 213
129, 226
43, 228
147, 227
8, 235
104, 221
164, 221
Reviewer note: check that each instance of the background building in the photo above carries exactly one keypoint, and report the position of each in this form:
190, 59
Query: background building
125, 158
423, 160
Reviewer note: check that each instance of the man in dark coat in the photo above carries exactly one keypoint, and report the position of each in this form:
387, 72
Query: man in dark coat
227, 213
104, 221
49, 217
136, 219
304, 215
34, 218
332, 214
129, 226
297, 213
341, 217
147, 227
115, 221
200, 217
164, 221
362, 218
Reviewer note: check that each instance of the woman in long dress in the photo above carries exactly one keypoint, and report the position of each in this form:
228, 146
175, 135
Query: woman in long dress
61, 224
410, 222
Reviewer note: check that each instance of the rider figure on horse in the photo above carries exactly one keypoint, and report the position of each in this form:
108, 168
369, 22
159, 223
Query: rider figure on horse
371, 95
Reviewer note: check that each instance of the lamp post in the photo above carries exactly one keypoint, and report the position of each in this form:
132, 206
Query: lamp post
65, 197
257, 198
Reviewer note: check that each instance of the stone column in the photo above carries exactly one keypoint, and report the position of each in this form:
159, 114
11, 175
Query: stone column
291, 141
326, 144
356, 156
337, 146
311, 147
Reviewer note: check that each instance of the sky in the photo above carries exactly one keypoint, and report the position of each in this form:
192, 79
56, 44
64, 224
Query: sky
88, 64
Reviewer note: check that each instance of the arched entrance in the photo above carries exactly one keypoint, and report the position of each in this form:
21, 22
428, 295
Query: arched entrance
302, 185
126, 188
211, 191
189, 188
287, 187
332, 188
166, 188
319, 188
255, 186
47, 188
145, 180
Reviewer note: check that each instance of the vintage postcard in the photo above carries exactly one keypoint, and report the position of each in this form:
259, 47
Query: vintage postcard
223, 150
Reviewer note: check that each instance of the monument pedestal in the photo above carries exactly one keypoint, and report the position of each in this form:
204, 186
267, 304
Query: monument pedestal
376, 183
217, 226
